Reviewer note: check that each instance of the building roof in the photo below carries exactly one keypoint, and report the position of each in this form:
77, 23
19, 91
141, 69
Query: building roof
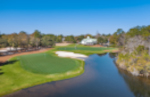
88, 40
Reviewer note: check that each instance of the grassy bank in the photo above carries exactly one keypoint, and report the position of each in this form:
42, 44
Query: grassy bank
137, 62
26, 71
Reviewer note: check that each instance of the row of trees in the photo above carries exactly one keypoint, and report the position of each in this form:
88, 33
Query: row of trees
100, 38
23, 40
120, 37
36, 39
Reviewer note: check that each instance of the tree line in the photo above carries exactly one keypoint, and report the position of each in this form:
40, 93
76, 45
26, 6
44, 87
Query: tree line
35, 40
120, 37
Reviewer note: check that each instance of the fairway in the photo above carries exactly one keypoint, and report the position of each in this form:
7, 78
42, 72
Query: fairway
85, 48
45, 63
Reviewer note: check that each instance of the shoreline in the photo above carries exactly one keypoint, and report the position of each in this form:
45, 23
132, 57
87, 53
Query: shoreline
41, 78
132, 70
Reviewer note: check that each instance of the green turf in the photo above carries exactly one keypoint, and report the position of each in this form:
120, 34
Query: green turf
45, 63
87, 50
84, 48
47, 67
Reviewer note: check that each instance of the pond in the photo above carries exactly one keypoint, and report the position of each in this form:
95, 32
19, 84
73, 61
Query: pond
101, 78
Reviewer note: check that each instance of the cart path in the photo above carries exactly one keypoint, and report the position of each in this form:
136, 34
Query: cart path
7, 57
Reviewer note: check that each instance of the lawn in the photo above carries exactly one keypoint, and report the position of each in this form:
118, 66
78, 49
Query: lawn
87, 50
29, 70
84, 48
45, 63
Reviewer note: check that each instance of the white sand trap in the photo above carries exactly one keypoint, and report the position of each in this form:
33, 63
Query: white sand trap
71, 55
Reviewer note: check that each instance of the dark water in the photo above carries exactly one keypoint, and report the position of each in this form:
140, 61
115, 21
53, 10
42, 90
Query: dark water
101, 79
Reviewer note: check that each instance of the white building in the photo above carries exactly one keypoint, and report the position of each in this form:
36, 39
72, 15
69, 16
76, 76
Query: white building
89, 41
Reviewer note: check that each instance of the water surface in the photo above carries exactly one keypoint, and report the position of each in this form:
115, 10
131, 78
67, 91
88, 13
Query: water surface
101, 79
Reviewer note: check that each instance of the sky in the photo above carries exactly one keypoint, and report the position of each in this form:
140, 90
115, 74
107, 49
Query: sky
72, 17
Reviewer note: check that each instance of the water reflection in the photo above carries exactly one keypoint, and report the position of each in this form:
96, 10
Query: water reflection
138, 85
102, 54
113, 55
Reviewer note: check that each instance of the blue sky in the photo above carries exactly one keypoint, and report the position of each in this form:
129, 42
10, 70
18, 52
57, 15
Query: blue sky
72, 16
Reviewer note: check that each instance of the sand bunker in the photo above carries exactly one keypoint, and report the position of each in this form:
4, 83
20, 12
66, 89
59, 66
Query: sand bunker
71, 55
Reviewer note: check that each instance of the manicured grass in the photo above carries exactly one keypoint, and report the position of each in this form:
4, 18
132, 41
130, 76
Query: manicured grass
87, 50
45, 63
47, 67
84, 48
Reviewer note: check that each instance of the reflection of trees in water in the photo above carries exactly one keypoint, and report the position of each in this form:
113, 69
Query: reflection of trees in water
113, 55
138, 85
102, 54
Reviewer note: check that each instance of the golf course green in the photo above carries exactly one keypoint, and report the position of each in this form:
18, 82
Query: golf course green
45, 63
84, 48
87, 50
33, 69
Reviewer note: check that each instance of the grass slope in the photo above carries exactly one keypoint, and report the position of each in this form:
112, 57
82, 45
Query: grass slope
14, 77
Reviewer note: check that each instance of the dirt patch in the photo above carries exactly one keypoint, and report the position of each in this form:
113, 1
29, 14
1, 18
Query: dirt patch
107, 50
5, 58
62, 44
97, 45
114, 51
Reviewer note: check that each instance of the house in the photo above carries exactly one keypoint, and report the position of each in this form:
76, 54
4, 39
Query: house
89, 41
8, 51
